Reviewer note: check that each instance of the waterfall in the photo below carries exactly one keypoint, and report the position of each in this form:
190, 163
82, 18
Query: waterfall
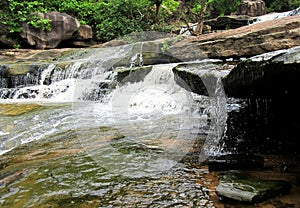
146, 111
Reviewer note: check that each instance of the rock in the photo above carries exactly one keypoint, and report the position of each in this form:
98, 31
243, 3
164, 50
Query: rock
268, 75
85, 32
11, 110
83, 38
245, 41
192, 76
19, 74
228, 22
252, 8
235, 162
63, 27
272, 74
131, 75
242, 188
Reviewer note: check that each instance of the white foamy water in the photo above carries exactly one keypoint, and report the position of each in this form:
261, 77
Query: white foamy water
274, 16
152, 112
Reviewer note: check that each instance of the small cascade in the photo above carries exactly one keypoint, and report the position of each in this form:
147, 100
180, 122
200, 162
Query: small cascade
157, 92
167, 109
90, 77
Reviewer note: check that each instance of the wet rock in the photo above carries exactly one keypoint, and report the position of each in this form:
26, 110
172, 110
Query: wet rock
235, 162
267, 75
194, 77
16, 110
135, 74
242, 188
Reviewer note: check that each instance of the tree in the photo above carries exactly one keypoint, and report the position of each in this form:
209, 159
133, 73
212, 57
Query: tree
157, 6
196, 8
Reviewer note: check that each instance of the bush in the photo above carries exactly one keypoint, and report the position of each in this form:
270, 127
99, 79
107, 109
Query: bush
109, 19
223, 7
282, 5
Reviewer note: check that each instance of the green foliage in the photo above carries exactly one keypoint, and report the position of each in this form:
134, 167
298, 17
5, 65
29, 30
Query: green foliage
282, 5
119, 17
23, 11
223, 7
171, 5
114, 18
109, 19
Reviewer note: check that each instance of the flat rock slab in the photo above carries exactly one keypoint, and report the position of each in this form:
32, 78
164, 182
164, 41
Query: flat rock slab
235, 162
241, 188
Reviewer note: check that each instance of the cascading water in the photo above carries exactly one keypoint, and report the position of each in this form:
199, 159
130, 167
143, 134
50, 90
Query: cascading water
92, 78
138, 129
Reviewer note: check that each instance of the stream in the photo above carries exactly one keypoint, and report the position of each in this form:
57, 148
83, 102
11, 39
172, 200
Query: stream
97, 128
71, 135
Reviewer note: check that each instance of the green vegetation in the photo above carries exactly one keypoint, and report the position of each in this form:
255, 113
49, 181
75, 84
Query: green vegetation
114, 18
282, 5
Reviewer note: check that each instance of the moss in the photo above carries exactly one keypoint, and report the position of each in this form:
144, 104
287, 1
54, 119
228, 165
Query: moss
18, 69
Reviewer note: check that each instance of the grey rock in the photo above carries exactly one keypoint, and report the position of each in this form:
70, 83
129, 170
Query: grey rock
245, 189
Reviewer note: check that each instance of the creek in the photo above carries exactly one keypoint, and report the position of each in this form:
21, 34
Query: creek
72, 135
76, 132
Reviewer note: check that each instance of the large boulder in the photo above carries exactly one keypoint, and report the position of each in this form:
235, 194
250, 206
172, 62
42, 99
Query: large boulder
252, 8
63, 27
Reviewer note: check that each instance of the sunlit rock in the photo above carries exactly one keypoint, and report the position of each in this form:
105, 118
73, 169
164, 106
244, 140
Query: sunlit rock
245, 41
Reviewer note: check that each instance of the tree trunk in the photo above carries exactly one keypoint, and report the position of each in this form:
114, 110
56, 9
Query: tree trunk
199, 28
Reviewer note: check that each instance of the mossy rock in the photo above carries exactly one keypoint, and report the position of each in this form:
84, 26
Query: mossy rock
242, 188
17, 109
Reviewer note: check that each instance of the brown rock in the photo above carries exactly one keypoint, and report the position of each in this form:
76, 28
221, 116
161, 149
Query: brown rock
252, 8
241, 42
63, 27
85, 32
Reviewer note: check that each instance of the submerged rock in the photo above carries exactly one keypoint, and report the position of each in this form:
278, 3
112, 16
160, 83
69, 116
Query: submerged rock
235, 162
16, 110
241, 188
